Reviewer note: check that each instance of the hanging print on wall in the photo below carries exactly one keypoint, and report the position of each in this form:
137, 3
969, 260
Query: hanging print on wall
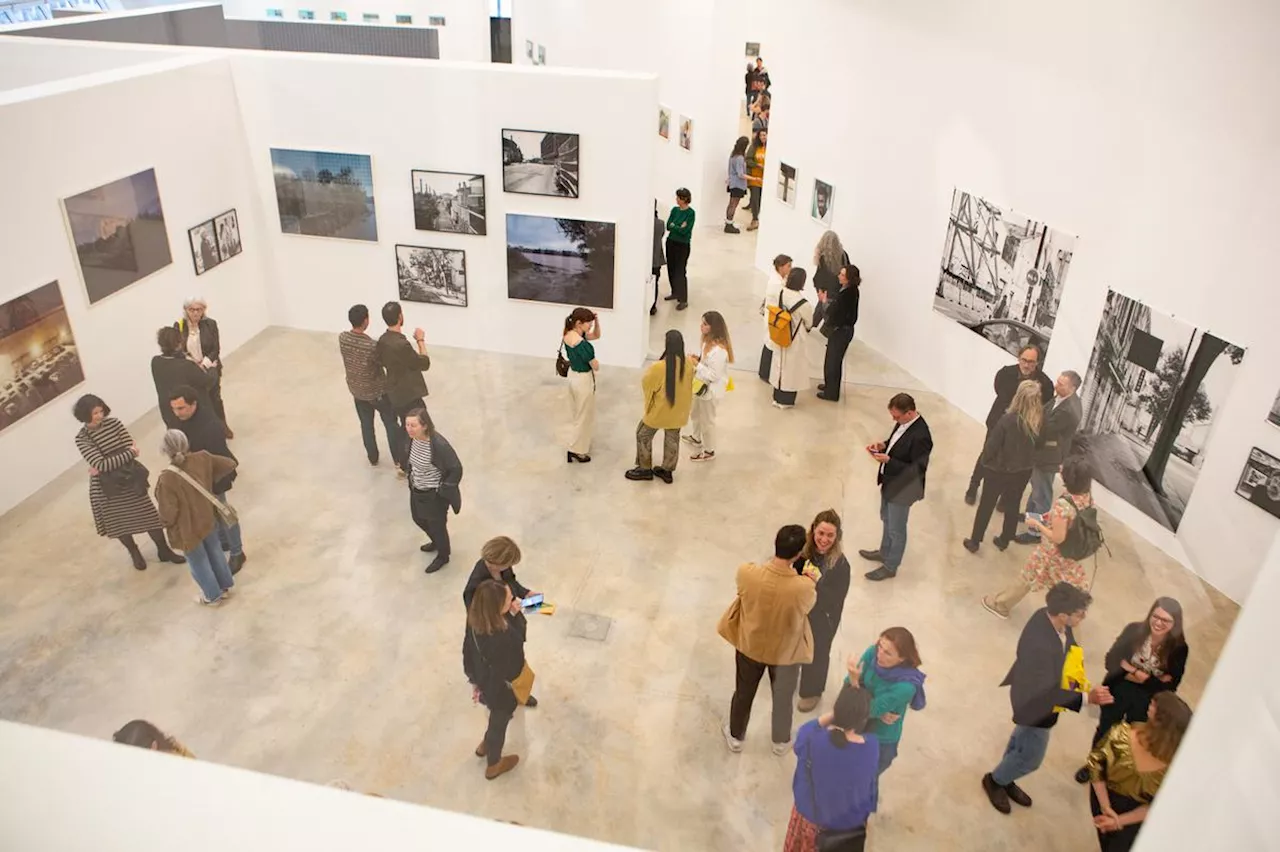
1260, 481
1274, 417
323, 194
565, 261
686, 132
119, 233
448, 201
824, 199
39, 360
539, 163
227, 227
787, 184
437, 276
204, 247
664, 122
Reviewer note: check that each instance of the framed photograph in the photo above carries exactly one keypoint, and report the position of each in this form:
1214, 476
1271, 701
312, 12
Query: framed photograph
119, 233
686, 132
437, 276
227, 229
824, 199
542, 54
435, 20
404, 19
39, 359
787, 184
753, 49
1260, 481
275, 13
539, 163
338, 16
563, 261
306, 15
448, 201
664, 122
1274, 417
528, 50
204, 247
370, 17
323, 194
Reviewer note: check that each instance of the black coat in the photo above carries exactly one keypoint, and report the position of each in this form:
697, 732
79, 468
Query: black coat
171, 372
1126, 645
205, 431
842, 312
480, 573
210, 340
903, 476
1059, 431
1006, 385
828, 280
445, 460
1035, 680
492, 662
404, 365
1009, 448
832, 589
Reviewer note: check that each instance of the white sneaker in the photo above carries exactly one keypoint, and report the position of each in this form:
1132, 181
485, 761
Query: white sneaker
735, 746
781, 748
200, 599
702, 456
689, 439
991, 608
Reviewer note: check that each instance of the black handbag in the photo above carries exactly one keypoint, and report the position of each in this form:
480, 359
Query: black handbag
850, 840
132, 480
562, 363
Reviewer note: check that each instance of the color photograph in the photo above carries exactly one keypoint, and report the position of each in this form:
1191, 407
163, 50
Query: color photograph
448, 201
565, 261
824, 200
1260, 481
787, 184
204, 247
686, 132
437, 276
1274, 417
323, 194
119, 233
664, 122
338, 16
537, 163
227, 227
39, 360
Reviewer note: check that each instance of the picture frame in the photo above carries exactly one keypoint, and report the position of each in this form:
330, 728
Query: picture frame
226, 227
432, 275
325, 194
560, 260
536, 162
203, 242
448, 202
119, 233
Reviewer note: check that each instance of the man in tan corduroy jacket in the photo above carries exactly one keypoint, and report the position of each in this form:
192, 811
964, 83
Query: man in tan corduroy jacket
768, 624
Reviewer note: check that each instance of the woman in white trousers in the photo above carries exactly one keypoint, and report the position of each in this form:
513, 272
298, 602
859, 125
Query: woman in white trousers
713, 372
580, 328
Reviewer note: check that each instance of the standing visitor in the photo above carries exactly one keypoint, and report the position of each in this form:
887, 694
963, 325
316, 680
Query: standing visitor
679, 238
498, 559
904, 461
172, 368
1047, 566
367, 383
204, 348
204, 432
580, 328
659, 260
1035, 692
768, 626
755, 174
834, 786
493, 660
890, 671
762, 73
1006, 465
781, 271
1128, 766
839, 320
824, 560
713, 373
1006, 384
404, 364
667, 385
189, 512
1061, 421
788, 319
829, 257
749, 81
435, 476
736, 182
118, 496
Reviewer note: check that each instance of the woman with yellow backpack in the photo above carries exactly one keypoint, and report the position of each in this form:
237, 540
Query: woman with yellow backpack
788, 320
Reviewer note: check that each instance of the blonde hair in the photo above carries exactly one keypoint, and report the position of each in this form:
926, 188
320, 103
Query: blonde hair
829, 252
719, 333
810, 552
1029, 407
501, 551
1162, 735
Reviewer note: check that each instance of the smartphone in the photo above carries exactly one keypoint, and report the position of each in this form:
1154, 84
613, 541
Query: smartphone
531, 603
1033, 516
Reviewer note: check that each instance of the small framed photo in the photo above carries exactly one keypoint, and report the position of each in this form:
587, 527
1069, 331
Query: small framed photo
204, 247
824, 196
787, 184
227, 229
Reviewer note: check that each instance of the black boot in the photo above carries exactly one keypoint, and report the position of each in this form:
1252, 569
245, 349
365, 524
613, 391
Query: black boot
136, 554
163, 550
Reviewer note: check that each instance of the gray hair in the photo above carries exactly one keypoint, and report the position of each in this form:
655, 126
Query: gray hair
193, 301
174, 444
829, 252
1074, 378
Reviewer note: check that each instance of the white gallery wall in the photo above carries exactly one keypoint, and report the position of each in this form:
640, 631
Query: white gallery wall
179, 117
1157, 151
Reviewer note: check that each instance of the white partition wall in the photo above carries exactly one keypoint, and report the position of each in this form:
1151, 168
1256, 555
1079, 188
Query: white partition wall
1158, 153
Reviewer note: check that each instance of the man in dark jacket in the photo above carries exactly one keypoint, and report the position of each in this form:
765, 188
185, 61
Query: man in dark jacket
1061, 420
1035, 688
204, 431
904, 459
404, 364
1006, 385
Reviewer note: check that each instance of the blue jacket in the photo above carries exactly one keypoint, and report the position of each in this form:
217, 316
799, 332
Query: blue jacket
737, 173
842, 793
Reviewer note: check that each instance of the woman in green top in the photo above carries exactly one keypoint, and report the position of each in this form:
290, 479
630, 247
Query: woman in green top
890, 671
679, 235
580, 328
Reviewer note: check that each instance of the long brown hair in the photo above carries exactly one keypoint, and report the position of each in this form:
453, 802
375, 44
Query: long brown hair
718, 334
1162, 735
906, 644
485, 616
810, 552
1029, 407
1174, 640
578, 315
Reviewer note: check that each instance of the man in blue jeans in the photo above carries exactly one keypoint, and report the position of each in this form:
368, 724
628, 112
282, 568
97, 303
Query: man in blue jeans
1035, 688
1061, 420
903, 459
205, 431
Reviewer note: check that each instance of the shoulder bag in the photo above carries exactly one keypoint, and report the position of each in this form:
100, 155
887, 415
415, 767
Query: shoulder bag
849, 840
562, 363
522, 686
228, 515
131, 480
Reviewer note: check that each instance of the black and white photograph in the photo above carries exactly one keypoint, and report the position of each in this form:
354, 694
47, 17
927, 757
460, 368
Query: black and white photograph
565, 261
437, 276
204, 247
448, 201
824, 199
787, 184
39, 360
1274, 417
538, 163
119, 232
325, 194
753, 49
1002, 274
528, 50
1151, 395
686, 132
228, 229
1260, 481
542, 54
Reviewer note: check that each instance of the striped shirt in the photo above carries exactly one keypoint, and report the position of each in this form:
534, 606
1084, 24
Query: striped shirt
424, 475
365, 377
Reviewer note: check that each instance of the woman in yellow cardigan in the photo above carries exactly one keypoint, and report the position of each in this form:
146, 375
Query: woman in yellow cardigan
668, 397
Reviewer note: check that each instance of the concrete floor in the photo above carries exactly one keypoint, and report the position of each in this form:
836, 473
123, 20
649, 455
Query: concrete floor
339, 658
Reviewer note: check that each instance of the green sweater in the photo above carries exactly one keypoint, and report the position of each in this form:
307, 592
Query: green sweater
680, 224
886, 697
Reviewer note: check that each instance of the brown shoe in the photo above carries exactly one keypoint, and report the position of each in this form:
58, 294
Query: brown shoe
804, 705
481, 750
503, 766
755, 223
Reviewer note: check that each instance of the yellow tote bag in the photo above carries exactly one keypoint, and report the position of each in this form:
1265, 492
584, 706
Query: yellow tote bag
1073, 675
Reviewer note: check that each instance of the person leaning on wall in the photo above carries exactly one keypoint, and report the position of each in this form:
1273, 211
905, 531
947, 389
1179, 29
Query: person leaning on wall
581, 327
204, 347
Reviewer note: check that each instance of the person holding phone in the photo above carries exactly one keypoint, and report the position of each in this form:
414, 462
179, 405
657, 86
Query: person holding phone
904, 461
498, 559
493, 657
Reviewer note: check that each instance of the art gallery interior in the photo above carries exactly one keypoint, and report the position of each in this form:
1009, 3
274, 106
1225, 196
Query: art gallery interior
1144, 162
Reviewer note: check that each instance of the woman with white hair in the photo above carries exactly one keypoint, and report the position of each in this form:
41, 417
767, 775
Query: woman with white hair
204, 346
188, 510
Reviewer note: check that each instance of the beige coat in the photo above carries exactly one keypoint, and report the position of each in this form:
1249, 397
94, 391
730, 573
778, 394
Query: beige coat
186, 514
769, 620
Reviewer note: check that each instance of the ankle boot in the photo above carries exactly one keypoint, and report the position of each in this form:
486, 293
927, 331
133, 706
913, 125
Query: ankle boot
130, 545
163, 551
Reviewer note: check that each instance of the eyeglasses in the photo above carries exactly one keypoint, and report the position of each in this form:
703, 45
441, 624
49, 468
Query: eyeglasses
1160, 619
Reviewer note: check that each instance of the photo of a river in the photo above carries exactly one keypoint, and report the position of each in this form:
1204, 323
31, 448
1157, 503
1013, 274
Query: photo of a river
565, 261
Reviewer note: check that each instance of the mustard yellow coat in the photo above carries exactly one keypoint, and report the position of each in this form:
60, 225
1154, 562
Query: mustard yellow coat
658, 413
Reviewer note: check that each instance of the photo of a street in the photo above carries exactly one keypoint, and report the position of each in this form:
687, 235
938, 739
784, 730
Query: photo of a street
537, 163
448, 201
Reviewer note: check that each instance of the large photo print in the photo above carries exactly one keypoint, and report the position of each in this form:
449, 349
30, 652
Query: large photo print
537, 163
434, 275
119, 232
39, 360
565, 261
323, 194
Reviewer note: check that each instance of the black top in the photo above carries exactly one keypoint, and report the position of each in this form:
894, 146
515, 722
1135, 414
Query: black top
659, 231
902, 479
844, 313
404, 365
832, 588
1059, 431
205, 431
828, 280
1035, 680
492, 662
170, 372
480, 573
1006, 385
210, 340
1009, 448
1126, 645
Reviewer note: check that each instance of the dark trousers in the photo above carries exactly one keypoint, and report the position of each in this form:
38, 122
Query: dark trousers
813, 676
766, 363
677, 263
782, 683
1006, 488
833, 364
1130, 704
657, 277
400, 449
365, 411
215, 393
430, 511
753, 204
495, 736
1116, 841
975, 478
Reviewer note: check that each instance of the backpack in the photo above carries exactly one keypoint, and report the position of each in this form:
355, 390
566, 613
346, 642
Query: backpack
1084, 535
781, 331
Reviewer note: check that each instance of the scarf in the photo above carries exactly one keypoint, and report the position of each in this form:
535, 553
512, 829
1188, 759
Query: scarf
899, 674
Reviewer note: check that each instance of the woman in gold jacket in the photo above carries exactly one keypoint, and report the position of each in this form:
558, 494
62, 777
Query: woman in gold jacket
668, 398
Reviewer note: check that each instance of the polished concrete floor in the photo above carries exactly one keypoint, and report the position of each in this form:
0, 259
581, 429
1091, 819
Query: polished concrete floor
339, 658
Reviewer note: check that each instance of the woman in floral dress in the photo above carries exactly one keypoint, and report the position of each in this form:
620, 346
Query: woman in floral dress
1046, 565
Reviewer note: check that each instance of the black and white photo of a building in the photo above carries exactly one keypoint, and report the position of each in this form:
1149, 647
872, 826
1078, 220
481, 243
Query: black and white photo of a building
434, 275
1150, 395
1002, 274
565, 261
537, 163
448, 201
1260, 481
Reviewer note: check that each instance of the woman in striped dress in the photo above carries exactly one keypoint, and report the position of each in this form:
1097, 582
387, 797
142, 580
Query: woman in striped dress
106, 446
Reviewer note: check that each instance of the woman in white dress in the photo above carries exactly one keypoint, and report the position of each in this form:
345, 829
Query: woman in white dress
789, 372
